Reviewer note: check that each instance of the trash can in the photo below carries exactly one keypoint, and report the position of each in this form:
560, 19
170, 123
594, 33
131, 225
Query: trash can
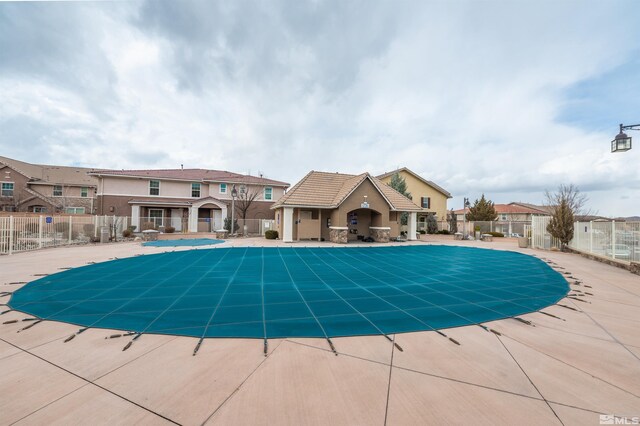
104, 234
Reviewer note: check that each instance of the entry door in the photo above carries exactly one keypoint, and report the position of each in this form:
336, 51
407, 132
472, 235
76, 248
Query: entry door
176, 219
217, 220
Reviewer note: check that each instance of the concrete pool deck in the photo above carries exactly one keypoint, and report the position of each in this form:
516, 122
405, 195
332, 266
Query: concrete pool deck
555, 371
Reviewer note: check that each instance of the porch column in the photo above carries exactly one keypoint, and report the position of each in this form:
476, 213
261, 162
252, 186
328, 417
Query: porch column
287, 225
193, 219
135, 217
413, 226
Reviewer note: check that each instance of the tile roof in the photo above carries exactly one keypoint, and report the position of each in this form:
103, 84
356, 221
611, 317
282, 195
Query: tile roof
52, 174
329, 190
191, 175
428, 182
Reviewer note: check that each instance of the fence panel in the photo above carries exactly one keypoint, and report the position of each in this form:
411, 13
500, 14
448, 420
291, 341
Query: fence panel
614, 240
540, 238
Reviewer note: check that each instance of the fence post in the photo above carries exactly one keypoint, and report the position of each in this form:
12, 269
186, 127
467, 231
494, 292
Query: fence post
70, 229
10, 234
613, 239
591, 236
95, 226
40, 232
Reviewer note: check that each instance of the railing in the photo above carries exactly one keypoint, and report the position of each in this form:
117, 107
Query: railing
613, 240
24, 233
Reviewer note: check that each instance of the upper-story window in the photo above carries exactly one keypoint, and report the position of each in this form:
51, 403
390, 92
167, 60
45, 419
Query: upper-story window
503, 217
154, 187
243, 189
425, 202
84, 192
223, 188
268, 193
7, 189
195, 190
57, 190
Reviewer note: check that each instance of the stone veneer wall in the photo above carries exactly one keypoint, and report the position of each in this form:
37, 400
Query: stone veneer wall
380, 235
338, 236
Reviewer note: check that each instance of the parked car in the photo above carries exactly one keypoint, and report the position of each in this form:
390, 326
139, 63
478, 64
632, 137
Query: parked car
622, 251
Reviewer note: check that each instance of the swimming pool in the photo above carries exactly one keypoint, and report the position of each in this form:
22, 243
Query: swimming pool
255, 292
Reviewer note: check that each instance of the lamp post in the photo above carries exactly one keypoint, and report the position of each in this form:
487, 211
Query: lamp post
622, 142
234, 194
464, 218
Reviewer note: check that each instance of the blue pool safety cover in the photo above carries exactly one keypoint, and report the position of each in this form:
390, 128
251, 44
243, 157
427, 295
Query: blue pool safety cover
187, 242
296, 292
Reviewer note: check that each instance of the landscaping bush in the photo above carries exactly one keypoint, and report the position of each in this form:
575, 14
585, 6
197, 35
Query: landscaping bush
88, 229
227, 225
496, 234
443, 232
169, 229
432, 224
422, 231
148, 225
127, 233
271, 234
132, 228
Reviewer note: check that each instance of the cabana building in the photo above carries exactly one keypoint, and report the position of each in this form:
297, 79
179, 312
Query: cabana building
341, 207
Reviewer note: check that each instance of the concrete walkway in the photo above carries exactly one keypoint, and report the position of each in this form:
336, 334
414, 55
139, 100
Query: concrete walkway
563, 369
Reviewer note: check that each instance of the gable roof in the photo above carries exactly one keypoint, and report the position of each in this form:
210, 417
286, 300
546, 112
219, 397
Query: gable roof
51, 174
203, 175
329, 190
417, 176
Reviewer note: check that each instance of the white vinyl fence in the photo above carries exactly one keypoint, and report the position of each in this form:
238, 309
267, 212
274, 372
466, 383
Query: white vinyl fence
614, 240
24, 233
540, 238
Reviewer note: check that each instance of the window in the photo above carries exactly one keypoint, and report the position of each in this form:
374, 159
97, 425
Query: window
154, 187
84, 192
503, 217
7, 189
74, 210
223, 188
39, 209
57, 190
268, 193
243, 189
8, 208
155, 216
195, 190
425, 202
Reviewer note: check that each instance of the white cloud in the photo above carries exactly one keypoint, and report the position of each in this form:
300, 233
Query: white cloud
465, 93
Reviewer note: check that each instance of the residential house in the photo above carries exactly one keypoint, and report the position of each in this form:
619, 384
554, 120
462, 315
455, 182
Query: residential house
427, 194
342, 207
187, 199
38, 188
512, 212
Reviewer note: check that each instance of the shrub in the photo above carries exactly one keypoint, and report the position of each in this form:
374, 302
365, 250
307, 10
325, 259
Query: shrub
422, 231
132, 228
169, 229
227, 225
88, 229
271, 234
127, 233
432, 224
496, 234
443, 232
148, 225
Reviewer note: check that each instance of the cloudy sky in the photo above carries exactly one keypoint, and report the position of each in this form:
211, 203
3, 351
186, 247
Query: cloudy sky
508, 98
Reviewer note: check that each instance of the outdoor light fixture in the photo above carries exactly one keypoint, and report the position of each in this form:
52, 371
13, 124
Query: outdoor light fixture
622, 142
464, 218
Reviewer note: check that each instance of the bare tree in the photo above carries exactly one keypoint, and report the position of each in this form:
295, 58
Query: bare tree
564, 205
246, 196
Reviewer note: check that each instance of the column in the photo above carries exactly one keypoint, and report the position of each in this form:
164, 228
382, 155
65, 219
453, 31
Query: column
287, 225
135, 217
193, 219
413, 226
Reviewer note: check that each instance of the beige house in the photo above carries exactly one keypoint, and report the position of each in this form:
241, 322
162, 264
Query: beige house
193, 200
46, 189
512, 212
341, 208
431, 197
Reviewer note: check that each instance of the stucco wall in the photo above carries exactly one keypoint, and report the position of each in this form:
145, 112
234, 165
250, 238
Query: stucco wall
418, 189
353, 202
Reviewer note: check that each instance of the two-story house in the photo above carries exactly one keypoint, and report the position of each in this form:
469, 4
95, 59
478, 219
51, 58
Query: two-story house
187, 199
425, 193
39, 188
